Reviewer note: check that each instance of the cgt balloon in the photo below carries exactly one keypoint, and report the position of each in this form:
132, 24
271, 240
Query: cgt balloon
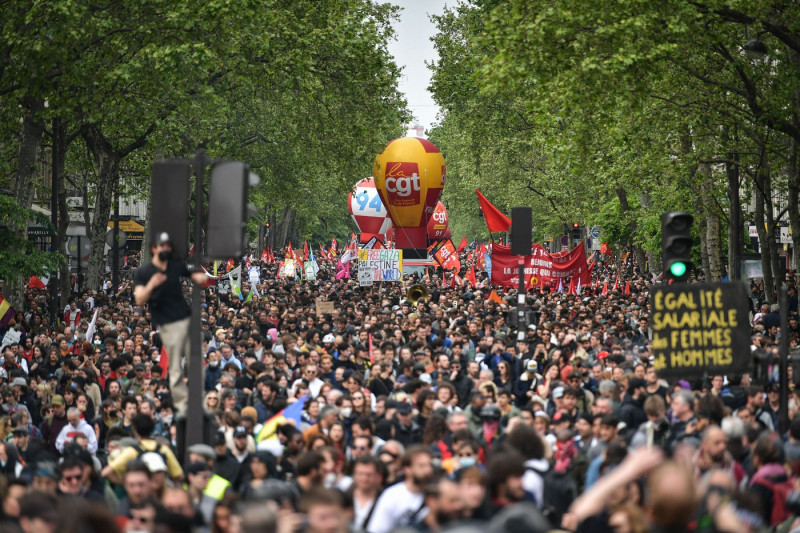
409, 175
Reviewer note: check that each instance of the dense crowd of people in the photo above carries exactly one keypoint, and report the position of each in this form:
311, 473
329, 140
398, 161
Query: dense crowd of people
416, 415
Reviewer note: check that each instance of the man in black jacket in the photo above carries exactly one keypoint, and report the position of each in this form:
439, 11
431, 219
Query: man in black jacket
632, 410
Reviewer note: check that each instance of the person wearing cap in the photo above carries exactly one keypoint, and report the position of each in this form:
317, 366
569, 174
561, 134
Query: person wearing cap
53, 425
406, 430
525, 387
159, 283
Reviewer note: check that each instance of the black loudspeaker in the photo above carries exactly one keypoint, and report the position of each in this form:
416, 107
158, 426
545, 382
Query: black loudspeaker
169, 204
521, 235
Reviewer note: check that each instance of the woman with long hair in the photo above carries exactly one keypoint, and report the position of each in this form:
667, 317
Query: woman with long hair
223, 511
338, 436
505, 378
261, 465
549, 377
211, 402
425, 401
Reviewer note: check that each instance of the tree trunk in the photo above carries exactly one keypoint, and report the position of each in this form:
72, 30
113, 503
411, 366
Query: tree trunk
107, 162
764, 237
30, 147
712, 247
60, 144
735, 226
793, 197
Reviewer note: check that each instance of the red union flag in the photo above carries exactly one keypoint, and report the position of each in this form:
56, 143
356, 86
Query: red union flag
446, 256
402, 183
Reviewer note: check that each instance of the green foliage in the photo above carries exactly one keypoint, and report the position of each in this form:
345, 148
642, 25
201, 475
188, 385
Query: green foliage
18, 256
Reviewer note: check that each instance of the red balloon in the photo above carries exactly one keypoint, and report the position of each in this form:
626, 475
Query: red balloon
439, 224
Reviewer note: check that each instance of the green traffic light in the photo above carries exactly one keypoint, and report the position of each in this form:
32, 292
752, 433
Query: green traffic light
677, 269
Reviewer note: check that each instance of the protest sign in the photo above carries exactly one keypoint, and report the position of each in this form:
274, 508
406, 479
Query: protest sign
324, 307
310, 272
700, 328
382, 265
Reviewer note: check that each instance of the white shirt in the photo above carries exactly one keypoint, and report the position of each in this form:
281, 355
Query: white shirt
397, 507
68, 433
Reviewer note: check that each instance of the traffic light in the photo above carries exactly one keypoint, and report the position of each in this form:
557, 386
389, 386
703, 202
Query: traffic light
576, 231
169, 203
228, 209
676, 244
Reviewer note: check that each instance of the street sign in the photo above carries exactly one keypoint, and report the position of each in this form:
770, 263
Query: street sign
564, 240
700, 328
595, 232
121, 240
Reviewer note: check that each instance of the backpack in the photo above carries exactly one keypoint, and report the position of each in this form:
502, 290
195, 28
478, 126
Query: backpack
560, 490
780, 492
158, 450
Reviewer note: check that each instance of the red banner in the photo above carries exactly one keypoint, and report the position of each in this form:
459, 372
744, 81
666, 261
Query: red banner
541, 268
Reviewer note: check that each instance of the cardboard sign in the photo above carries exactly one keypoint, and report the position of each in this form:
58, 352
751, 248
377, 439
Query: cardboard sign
699, 327
324, 307
380, 265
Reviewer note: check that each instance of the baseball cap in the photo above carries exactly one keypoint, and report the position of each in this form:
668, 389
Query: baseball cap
426, 378
558, 392
57, 399
139, 368
219, 330
240, 431
602, 354
532, 366
491, 412
21, 430
328, 339
20, 381
404, 408
162, 238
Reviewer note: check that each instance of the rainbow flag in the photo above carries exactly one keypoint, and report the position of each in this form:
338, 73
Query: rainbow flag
293, 412
6, 312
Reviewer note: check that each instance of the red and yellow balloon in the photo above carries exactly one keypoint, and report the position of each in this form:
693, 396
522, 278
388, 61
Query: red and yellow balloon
409, 175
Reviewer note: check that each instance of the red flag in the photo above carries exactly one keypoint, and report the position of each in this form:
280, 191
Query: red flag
463, 245
604, 249
35, 283
444, 279
264, 256
628, 287
573, 288
471, 276
305, 251
191, 250
229, 264
289, 251
163, 362
605, 289
616, 285
495, 219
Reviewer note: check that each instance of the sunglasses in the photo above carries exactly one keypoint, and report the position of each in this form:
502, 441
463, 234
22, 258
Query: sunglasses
72, 478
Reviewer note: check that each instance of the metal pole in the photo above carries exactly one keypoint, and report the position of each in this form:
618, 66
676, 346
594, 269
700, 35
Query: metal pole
783, 357
521, 318
115, 248
194, 415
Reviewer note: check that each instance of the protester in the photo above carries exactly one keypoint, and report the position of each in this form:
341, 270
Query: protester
426, 413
